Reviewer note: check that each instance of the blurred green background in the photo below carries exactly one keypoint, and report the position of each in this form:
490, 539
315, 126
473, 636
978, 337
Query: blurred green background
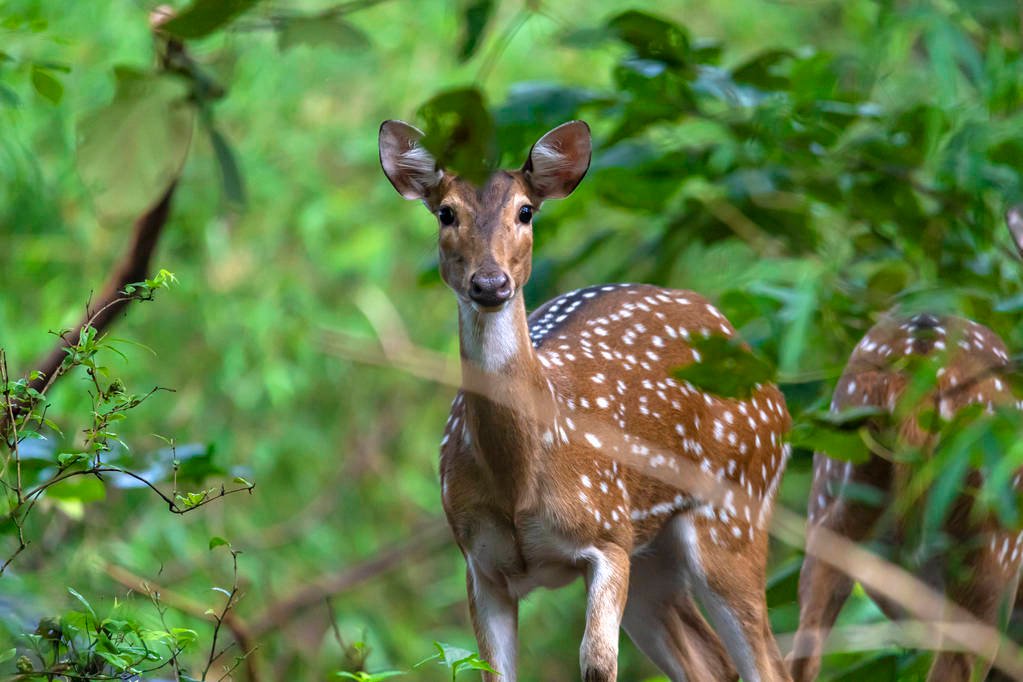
807, 165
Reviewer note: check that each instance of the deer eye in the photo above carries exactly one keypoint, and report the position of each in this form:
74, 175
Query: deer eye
445, 215
525, 214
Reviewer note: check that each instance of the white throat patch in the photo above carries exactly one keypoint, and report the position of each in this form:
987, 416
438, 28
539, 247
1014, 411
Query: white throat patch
489, 340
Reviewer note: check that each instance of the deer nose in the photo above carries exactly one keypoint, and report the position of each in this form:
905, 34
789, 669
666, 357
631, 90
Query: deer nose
490, 288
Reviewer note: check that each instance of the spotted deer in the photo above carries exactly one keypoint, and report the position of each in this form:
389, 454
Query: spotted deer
571, 450
974, 365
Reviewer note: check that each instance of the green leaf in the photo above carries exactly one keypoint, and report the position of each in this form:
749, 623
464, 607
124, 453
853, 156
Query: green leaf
457, 659
230, 175
66, 459
204, 17
838, 443
74, 593
652, 93
460, 133
765, 70
533, 108
726, 367
118, 661
7, 655
192, 500
323, 30
217, 541
470, 662
46, 85
184, 636
652, 37
476, 14
131, 150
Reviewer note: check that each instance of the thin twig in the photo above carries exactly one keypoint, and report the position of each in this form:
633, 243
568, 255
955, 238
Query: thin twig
238, 628
213, 656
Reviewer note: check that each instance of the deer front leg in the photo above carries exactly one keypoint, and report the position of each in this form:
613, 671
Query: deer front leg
495, 619
607, 585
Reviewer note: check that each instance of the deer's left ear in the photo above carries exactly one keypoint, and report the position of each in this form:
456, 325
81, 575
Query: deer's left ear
1014, 218
406, 163
559, 160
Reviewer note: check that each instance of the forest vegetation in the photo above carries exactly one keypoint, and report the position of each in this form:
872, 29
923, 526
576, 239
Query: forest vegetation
231, 472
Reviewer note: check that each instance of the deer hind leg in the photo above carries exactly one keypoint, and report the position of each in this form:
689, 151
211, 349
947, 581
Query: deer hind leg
987, 590
666, 625
727, 578
824, 588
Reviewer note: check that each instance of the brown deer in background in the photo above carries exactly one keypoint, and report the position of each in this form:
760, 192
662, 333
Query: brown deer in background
973, 371
571, 449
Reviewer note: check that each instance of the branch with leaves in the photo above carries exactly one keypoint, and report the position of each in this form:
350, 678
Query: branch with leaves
81, 645
24, 407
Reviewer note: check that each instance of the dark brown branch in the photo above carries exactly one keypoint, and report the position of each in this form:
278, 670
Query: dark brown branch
134, 267
424, 540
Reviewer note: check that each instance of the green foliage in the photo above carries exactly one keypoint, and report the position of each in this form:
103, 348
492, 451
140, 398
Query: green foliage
725, 366
459, 133
476, 14
805, 168
133, 148
326, 29
204, 17
843, 435
76, 478
83, 646
456, 659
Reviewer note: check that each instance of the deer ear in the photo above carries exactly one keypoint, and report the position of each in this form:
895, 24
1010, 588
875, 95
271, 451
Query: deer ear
559, 160
406, 163
1014, 218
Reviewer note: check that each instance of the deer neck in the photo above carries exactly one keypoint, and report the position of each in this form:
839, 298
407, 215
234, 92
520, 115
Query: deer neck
508, 401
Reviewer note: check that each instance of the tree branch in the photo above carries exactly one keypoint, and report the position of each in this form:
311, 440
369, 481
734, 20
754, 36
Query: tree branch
134, 267
423, 540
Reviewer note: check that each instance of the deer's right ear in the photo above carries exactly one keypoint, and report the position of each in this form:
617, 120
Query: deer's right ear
559, 160
1014, 218
406, 163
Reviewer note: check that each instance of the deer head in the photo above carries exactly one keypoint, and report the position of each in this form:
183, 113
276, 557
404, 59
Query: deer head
486, 232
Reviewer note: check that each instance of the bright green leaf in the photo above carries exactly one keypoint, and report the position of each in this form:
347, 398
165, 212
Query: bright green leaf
46, 85
217, 541
74, 593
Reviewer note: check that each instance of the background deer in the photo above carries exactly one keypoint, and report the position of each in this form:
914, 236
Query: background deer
571, 450
974, 370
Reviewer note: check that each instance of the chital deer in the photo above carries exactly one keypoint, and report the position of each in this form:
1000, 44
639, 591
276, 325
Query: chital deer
571, 450
974, 367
